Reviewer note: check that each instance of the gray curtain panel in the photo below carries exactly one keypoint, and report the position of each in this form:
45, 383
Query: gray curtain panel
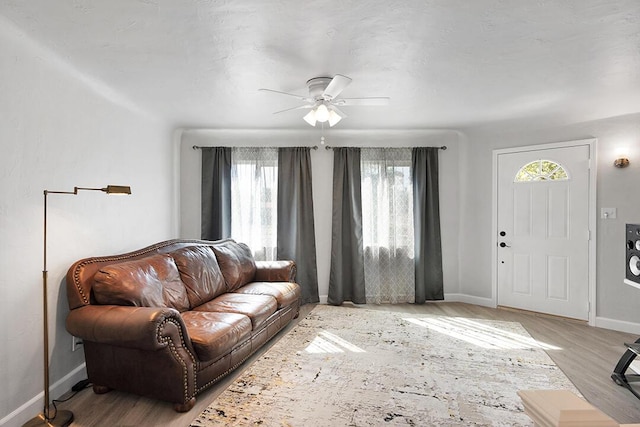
216, 193
296, 229
346, 279
426, 223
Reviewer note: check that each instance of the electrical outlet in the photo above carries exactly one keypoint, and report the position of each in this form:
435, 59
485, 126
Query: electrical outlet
75, 343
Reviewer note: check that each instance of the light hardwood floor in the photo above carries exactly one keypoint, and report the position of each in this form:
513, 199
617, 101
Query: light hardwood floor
587, 356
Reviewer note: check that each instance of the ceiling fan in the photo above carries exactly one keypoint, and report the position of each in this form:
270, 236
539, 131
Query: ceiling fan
323, 100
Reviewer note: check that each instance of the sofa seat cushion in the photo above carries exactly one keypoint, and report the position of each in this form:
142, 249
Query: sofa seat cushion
257, 307
200, 273
284, 292
151, 281
214, 334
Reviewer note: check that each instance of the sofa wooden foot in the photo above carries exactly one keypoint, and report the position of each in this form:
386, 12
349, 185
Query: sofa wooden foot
101, 389
184, 407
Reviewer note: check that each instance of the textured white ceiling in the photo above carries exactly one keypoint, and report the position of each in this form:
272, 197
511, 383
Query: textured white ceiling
451, 64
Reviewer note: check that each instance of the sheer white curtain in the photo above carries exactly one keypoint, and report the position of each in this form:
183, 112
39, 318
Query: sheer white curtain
387, 225
254, 195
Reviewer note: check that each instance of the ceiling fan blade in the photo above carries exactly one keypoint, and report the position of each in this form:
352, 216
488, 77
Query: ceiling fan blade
375, 101
300, 107
335, 86
300, 97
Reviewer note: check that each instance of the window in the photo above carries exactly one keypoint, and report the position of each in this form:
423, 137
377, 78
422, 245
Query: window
541, 170
387, 225
254, 195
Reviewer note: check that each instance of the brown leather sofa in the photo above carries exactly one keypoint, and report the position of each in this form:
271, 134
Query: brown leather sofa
170, 320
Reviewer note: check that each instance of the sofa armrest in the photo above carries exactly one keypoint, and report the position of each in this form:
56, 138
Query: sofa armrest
275, 271
144, 328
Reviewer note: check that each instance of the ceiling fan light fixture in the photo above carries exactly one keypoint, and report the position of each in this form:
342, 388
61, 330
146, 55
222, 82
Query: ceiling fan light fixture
323, 100
334, 118
322, 113
310, 117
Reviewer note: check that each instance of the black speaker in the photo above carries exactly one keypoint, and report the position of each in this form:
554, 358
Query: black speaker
632, 269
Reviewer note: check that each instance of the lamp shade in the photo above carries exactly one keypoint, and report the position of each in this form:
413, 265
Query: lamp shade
322, 113
117, 189
334, 118
310, 117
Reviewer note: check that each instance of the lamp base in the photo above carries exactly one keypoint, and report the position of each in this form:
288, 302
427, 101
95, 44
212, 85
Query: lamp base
62, 419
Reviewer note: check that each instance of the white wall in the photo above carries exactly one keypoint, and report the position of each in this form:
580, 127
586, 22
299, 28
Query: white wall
322, 167
60, 129
617, 305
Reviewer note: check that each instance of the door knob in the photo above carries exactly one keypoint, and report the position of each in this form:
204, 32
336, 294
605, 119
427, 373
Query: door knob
504, 245
503, 233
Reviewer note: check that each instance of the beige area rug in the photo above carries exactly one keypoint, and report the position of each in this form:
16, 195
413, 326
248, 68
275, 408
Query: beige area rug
351, 366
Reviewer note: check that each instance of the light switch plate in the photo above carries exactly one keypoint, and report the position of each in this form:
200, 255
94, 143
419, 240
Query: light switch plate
608, 213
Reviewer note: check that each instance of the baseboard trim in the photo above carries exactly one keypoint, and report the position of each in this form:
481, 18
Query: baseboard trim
618, 325
324, 299
34, 406
470, 299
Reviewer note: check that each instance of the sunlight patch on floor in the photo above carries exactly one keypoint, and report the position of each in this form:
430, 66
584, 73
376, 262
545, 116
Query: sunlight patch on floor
326, 342
482, 335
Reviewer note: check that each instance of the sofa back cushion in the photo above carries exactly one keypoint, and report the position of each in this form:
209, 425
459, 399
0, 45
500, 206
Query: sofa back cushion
200, 273
236, 263
152, 281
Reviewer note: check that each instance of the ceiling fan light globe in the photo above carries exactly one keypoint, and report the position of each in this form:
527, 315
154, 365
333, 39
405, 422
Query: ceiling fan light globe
334, 118
322, 113
310, 117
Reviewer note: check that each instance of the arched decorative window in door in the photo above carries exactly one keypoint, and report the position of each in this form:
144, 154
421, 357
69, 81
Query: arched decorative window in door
541, 170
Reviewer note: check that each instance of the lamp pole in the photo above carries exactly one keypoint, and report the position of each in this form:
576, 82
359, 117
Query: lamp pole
61, 418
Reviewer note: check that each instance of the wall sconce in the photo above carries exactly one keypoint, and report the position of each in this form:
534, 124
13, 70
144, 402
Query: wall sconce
622, 158
621, 162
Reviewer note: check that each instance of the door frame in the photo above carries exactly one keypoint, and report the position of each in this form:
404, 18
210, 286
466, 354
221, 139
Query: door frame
591, 143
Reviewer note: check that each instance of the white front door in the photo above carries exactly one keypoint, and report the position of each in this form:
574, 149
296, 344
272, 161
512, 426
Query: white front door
543, 230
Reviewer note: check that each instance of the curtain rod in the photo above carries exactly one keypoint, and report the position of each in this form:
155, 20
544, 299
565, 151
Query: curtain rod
444, 147
197, 147
315, 147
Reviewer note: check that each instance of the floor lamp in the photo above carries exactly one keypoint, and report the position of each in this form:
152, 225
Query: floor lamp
60, 418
